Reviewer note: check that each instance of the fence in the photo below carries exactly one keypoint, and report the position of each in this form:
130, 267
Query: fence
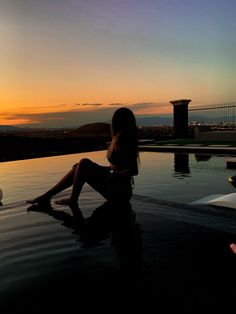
223, 115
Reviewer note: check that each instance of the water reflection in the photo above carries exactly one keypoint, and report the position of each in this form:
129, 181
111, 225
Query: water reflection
119, 223
116, 223
181, 165
202, 157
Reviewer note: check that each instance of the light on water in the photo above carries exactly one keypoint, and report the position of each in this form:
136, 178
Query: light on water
168, 176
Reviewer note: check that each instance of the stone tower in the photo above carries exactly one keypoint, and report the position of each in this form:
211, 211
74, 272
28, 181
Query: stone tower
180, 117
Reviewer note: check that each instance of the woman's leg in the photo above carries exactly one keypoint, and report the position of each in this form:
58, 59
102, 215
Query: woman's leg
87, 172
63, 184
117, 192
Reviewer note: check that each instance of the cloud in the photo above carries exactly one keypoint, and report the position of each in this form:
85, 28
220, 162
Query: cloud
16, 119
92, 104
117, 104
65, 119
84, 114
150, 108
146, 105
140, 105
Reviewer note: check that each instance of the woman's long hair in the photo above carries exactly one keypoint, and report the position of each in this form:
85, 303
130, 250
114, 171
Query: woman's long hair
123, 121
124, 124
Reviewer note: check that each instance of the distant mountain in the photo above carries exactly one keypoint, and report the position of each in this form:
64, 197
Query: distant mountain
92, 130
9, 128
104, 129
154, 120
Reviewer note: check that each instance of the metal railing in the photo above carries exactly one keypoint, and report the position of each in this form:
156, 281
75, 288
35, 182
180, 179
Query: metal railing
215, 115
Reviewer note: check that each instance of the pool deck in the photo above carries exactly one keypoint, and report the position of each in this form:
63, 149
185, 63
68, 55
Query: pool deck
174, 257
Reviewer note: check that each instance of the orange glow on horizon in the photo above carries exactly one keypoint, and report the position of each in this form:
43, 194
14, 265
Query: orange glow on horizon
15, 115
155, 111
14, 122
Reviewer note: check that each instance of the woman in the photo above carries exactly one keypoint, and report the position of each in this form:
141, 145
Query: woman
113, 182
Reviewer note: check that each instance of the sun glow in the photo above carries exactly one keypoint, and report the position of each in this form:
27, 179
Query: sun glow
79, 57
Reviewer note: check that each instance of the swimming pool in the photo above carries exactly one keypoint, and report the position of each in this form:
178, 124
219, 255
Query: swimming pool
175, 177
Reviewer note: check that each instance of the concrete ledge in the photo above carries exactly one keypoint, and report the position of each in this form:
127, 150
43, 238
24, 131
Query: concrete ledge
231, 163
216, 136
189, 149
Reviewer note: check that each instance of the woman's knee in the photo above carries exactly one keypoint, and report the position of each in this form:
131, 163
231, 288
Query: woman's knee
84, 162
84, 165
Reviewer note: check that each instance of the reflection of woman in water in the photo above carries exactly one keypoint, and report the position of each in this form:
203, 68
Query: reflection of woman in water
113, 182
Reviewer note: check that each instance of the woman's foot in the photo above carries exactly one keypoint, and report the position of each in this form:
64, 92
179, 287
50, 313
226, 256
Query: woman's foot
233, 247
41, 201
67, 201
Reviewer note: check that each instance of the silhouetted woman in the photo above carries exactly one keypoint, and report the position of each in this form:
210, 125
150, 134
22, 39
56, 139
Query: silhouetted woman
113, 182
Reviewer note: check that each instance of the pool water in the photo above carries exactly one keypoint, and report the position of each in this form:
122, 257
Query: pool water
183, 177
168, 176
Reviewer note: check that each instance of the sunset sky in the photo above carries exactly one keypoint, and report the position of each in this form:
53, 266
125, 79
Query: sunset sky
71, 62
